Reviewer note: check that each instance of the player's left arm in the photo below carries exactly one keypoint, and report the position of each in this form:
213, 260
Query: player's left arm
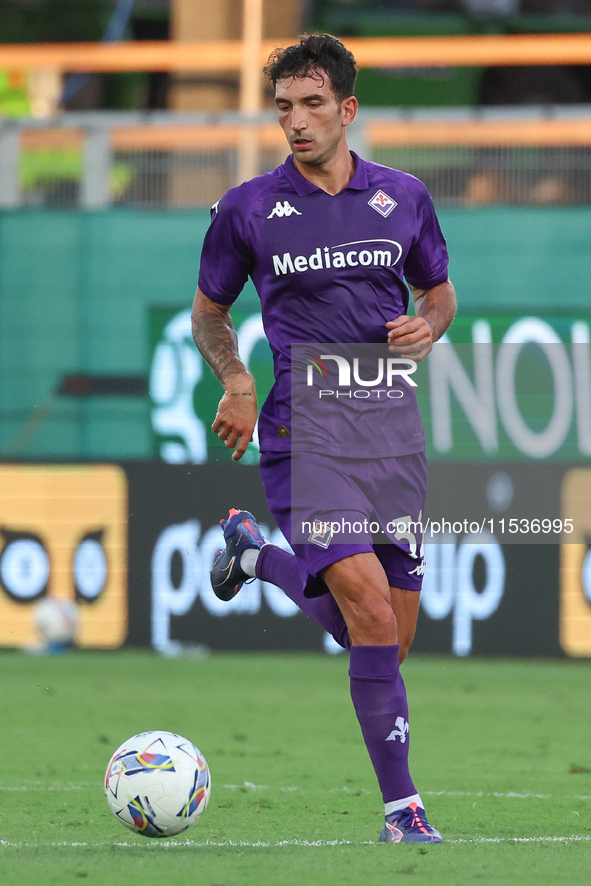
413, 336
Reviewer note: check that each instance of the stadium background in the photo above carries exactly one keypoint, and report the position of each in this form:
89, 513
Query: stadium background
105, 182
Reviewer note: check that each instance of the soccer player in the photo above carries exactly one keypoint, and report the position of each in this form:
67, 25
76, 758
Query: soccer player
328, 239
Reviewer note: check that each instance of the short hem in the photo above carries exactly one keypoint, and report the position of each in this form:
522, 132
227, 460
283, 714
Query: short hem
404, 584
332, 556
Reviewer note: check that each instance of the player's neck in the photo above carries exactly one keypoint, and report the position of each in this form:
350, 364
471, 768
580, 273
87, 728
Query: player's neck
332, 176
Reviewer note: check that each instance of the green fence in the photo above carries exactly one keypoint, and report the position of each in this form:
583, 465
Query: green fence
81, 292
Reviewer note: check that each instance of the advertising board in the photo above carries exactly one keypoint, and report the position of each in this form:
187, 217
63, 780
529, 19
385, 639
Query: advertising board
507, 548
63, 534
496, 387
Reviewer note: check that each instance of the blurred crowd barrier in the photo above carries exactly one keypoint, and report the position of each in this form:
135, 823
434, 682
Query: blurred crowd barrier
516, 156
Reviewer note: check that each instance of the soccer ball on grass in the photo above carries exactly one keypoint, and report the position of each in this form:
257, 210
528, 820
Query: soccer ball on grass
57, 622
157, 784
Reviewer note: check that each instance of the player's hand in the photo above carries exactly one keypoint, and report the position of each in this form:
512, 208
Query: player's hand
410, 337
237, 414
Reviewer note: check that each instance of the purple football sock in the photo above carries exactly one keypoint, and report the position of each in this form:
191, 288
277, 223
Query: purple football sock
281, 568
379, 697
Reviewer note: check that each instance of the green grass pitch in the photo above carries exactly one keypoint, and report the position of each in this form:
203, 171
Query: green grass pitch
501, 751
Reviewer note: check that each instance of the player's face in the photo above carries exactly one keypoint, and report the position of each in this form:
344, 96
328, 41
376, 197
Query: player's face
313, 120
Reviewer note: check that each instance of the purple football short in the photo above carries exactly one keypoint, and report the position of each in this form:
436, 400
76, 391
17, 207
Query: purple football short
330, 508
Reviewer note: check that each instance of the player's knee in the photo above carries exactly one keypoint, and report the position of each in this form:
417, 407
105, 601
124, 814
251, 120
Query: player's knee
371, 610
371, 623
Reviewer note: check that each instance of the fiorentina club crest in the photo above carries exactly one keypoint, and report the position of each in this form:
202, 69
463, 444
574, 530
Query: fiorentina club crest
322, 533
382, 203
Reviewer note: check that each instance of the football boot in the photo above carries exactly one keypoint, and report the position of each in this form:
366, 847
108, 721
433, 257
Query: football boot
241, 532
409, 825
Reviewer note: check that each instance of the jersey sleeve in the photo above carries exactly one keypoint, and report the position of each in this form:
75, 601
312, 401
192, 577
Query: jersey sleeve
427, 261
225, 258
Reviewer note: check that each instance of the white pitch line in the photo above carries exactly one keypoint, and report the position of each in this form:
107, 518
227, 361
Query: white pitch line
260, 844
51, 787
585, 838
511, 795
250, 786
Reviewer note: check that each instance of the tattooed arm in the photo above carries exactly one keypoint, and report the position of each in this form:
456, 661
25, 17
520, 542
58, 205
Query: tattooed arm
215, 337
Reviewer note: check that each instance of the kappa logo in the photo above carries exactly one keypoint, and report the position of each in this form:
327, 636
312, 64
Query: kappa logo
382, 203
418, 570
283, 210
401, 731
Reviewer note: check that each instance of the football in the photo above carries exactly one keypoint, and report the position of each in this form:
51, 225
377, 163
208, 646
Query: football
157, 784
57, 621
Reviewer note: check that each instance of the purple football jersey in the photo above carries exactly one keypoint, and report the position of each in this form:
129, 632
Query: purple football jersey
327, 269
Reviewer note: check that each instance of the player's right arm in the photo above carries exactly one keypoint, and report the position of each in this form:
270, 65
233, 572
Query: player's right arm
215, 336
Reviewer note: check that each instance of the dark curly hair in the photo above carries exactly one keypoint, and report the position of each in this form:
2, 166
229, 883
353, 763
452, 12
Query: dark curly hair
313, 54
